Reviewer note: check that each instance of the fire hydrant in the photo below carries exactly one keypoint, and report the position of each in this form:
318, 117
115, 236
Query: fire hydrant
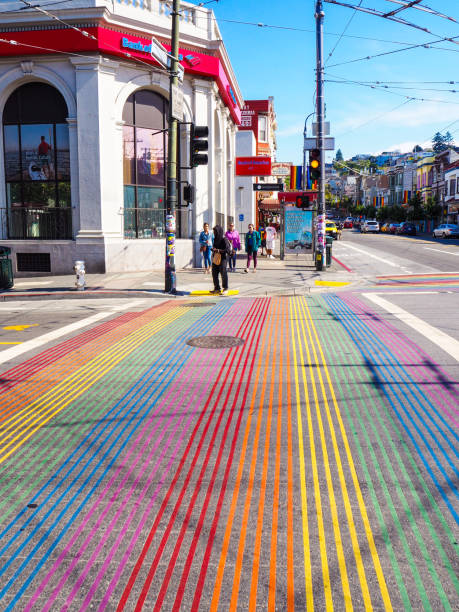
80, 281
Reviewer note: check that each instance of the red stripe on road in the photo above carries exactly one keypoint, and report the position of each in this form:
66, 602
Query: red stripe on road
341, 264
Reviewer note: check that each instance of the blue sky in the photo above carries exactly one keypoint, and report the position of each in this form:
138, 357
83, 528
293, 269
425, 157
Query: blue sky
280, 63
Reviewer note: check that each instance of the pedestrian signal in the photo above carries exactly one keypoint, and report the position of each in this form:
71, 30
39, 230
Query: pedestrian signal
314, 164
199, 143
302, 201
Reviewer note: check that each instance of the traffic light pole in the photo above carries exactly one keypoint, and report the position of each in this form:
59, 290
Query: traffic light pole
171, 173
320, 110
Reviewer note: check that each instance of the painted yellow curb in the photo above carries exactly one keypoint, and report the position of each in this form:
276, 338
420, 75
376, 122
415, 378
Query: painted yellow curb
230, 292
331, 283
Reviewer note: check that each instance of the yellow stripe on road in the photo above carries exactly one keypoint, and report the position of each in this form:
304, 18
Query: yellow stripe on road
363, 511
317, 497
229, 292
321, 283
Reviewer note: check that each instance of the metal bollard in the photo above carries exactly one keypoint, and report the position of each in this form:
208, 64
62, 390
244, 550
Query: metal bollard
80, 281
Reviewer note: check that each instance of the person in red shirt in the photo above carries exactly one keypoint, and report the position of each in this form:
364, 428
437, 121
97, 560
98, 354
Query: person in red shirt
43, 147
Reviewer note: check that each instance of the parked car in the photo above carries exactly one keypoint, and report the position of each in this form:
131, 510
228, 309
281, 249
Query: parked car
446, 230
331, 229
406, 228
384, 227
369, 227
348, 222
393, 228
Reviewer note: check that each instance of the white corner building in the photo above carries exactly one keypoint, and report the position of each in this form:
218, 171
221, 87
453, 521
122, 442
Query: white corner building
84, 119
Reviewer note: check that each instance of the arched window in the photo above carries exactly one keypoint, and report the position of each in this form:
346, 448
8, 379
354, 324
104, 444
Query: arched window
37, 163
144, 164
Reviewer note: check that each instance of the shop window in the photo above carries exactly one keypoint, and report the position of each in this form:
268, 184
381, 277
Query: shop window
37, 164
144, 164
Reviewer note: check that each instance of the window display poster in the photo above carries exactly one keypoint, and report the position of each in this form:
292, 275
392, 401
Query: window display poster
37, 152
298, 230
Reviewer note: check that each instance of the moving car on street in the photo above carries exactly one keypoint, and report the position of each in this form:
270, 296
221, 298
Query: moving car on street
331, 229
406, 228
370, 227
348, 223
446, 230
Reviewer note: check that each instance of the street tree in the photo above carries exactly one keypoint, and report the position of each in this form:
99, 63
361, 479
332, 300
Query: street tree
432, 209
339, 156
415, 209
438, 143
448, 140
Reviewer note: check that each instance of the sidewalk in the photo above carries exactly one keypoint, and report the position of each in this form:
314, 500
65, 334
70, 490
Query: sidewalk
294, 276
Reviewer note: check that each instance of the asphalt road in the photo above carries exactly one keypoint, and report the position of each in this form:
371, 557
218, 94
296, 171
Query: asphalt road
311, 465
384, 254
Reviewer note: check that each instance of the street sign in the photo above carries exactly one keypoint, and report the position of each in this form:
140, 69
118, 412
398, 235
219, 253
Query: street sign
268, 187
159, 53
311, 143
241, 217
326, 128
177, 102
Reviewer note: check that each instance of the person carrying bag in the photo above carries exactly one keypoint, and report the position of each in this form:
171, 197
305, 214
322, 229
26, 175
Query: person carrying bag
221, 250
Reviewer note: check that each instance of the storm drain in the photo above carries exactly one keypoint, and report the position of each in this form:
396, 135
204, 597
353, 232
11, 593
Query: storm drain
215, 342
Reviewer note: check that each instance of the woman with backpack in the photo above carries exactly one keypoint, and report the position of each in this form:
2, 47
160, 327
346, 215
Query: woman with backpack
252, 244
221, 250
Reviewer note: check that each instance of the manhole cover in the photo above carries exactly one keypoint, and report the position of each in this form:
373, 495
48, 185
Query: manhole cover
198, 305
215, 342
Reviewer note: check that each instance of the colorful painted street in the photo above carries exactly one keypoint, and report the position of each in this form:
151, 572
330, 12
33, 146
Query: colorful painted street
307, 458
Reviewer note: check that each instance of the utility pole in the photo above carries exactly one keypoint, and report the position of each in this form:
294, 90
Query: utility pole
304, 184
320, 110
171, 181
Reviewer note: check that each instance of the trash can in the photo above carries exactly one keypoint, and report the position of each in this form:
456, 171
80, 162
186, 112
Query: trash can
328, 248
6, 268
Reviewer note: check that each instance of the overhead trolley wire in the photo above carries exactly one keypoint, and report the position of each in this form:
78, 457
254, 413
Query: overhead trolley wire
416, 4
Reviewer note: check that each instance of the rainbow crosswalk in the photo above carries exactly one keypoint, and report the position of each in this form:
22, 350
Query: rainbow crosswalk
313, 467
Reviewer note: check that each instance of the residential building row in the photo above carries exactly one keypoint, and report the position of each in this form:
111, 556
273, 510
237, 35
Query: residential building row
429, 174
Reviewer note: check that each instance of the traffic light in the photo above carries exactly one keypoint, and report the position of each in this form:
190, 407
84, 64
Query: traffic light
198, 143
189, 193
302, 201
314, 164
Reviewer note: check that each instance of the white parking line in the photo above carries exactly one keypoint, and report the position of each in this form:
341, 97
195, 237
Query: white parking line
15, 351
441, 251
386, 261
446, 343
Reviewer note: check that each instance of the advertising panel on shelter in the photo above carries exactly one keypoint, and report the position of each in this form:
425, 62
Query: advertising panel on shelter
253, 166
298, 229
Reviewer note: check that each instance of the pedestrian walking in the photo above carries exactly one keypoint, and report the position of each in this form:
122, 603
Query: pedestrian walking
206, 241
233, 236
252, 244
262, 231
270, 240
220, 252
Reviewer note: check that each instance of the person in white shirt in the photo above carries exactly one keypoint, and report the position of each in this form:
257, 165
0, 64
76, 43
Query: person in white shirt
270, 240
